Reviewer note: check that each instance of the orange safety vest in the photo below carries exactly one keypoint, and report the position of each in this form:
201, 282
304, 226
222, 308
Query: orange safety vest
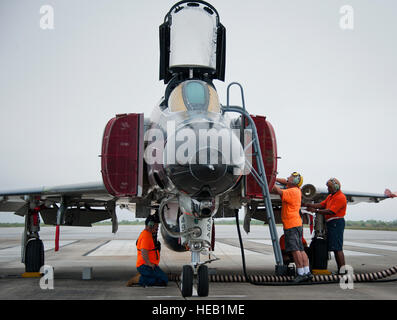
145, 241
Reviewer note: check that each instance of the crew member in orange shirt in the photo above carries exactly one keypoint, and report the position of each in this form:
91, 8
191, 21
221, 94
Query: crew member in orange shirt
148, 251
292, 223
334, 209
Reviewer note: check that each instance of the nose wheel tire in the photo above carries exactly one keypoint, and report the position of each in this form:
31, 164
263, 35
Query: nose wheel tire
34, 255
187, 281
202, 281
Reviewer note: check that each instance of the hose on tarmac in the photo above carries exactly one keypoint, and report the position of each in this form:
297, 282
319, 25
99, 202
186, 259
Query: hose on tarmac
317, 279
273, 280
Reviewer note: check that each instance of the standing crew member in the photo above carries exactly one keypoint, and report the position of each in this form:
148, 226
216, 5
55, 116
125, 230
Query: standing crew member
148, 249
334, 209
292, 223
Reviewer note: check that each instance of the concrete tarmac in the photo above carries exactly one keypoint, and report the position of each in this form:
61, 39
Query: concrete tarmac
112, 259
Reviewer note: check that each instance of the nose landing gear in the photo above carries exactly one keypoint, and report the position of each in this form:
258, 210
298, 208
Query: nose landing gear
195, 275
187, 279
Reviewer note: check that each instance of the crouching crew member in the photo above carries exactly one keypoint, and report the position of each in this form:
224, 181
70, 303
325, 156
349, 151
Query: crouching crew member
334, 209
292, 223
148, 249
287, 256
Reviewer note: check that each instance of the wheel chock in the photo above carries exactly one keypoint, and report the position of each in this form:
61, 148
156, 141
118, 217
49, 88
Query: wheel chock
32, 275
320, 272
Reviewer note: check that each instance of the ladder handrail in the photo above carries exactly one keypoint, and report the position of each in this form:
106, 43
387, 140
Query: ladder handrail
261, 169
241, 91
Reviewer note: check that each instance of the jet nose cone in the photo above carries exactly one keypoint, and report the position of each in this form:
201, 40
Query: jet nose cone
212, 169
215, 166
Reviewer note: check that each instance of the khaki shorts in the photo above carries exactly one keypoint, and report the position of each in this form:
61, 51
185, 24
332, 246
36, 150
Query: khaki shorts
293, 239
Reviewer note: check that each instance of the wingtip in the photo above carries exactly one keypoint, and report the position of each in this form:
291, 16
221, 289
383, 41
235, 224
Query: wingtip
390, 194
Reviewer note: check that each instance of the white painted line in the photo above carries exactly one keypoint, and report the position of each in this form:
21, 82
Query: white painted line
346, 252
266, 242
390, 241
128, 248
357, 253
116, 248
370, 245
15, 252
227, 249
50, 245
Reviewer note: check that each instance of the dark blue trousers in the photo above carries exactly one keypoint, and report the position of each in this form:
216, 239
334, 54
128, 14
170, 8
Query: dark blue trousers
152, 277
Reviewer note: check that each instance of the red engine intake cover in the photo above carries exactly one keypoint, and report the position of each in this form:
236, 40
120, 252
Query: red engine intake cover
268, 144
122, 155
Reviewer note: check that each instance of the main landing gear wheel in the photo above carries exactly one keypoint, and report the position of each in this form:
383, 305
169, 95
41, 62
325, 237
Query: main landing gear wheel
187, 281
34, 255
202, 281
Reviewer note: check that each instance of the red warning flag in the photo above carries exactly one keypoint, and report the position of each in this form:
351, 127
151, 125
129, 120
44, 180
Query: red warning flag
57, 238
311, 223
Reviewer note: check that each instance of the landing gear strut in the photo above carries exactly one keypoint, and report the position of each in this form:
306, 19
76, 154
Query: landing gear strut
197, 235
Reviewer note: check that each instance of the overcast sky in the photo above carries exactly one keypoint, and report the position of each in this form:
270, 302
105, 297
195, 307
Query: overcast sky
330, 93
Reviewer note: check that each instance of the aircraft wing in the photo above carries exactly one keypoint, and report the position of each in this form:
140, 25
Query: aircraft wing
88, 194
85, 203
310, 192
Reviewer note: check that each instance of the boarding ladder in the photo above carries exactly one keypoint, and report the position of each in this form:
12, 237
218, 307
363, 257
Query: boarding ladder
260, 175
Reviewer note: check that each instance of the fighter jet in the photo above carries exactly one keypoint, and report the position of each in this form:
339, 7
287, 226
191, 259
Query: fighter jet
190, 161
